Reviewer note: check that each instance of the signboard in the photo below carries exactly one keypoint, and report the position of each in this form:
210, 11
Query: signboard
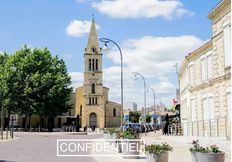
13, 120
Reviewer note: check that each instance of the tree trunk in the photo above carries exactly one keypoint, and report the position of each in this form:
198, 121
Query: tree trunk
7, 129
29, 122
40, 119
50, 123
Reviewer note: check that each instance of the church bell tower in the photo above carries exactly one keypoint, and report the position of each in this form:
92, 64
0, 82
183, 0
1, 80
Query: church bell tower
93, 91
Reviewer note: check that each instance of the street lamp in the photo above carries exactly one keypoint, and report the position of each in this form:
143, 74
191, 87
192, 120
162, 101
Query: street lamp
106, 41
153, 91
136, 74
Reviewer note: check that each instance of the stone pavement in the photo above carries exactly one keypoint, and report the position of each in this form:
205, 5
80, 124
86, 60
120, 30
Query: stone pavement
180, 146
37, 147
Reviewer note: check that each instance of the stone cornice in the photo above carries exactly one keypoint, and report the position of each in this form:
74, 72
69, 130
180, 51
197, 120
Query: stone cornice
198, 52
210, 83
218, 8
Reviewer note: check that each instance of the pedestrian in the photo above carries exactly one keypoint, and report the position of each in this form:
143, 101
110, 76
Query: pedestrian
166, 125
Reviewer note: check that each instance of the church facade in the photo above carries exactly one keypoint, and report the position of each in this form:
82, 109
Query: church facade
92, 104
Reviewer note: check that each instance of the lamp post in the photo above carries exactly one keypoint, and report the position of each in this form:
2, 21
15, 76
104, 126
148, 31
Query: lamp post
106, 41
153, 91
136, 74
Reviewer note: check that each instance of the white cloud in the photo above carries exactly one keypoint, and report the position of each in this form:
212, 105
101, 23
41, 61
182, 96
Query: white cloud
154, 57
167, 9
77, 28
76, 78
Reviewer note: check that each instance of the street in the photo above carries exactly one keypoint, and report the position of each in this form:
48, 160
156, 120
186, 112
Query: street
37, 147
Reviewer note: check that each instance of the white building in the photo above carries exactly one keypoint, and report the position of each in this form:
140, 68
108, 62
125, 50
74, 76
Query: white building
205, 80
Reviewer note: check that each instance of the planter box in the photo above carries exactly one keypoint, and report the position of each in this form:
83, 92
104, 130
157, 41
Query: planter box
163, 157
207, 157
126, 151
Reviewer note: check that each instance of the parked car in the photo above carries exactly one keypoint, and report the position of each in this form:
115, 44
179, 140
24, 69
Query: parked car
136, 126
143, 128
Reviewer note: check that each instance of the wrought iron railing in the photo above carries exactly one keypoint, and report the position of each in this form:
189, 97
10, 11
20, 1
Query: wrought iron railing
217, 127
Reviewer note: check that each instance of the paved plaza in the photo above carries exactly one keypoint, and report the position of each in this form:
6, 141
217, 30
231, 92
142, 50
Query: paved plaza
37, 147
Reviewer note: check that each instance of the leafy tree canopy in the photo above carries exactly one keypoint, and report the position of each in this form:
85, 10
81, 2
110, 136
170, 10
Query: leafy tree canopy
35, 82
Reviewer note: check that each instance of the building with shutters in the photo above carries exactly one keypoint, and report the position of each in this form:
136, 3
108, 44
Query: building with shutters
205, 80
91, 102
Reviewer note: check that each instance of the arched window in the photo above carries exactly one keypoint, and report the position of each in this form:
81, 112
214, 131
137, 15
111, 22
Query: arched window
94, 50
93, 64
114, 112
93, 88
96, 64
89, 100
93, 101
89, 64
96, 101
80, 110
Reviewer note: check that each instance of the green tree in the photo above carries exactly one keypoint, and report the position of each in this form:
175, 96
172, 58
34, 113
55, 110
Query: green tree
36, 83
148, 118
134, 116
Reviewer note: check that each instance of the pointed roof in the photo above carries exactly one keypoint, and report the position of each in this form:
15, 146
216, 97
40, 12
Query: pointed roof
93, 38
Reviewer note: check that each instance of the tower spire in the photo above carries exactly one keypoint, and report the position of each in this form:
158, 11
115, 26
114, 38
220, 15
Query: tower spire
93, 38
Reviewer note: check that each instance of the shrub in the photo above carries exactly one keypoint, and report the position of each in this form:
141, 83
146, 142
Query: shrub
130, 134
197, 148
158, 148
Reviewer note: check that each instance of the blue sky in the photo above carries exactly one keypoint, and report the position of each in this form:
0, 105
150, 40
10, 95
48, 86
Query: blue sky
153, 34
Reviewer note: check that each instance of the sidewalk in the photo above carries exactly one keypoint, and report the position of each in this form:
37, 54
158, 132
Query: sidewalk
180, 146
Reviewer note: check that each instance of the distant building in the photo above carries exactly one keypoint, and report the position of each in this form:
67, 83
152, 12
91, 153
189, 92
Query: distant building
92, 104
205, 80
135, 106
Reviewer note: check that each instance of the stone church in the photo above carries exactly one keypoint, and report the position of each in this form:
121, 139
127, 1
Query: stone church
92, 104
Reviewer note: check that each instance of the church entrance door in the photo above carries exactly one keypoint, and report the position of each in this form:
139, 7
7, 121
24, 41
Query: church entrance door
93, 120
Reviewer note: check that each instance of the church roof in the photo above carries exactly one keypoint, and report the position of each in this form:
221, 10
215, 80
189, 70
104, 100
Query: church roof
93, 38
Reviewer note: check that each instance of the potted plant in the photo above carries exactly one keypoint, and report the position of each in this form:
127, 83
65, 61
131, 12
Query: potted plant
206, 154
128, 137
157, 152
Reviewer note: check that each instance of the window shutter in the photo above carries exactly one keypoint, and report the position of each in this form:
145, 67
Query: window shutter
227, 45
193, 109
205, 109
210, 66
203, 69
228, 103
211, 108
